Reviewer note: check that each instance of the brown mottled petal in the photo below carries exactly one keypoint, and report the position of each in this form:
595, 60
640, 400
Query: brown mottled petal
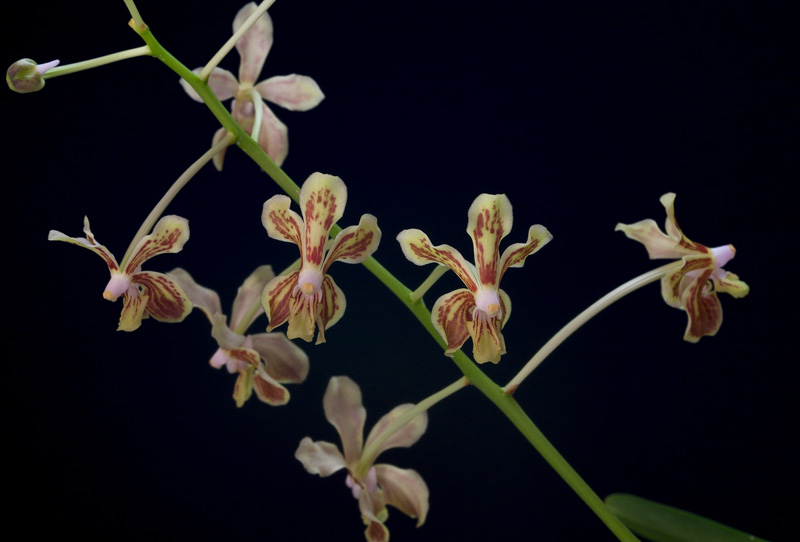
87, 242
294, 92
169, 235
702, 308
268, 390
322, 201
405, 436
331, 306
254, 45
281, 222
133, 310
418, 249
276, 298
248, 295
274, 136
205, 299
449, 316
673, 284
303, 312
490, 220
243, 388
282, 359
376, 532
487, 341
345, 411
222, 82
731, 285
168, 302
355, 244
405, 490
319, 457
514, 255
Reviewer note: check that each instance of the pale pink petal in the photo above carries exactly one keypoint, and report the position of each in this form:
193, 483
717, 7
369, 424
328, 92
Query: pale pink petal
319, 457
419, 250
405, 490
355, 244
248, 296
449, 316
254, 45
294, 92
404, 437
281, 222
168, 302
273, 138
205, 299
322, 201
277, 298
284, 361
219, 158
345, 411
169, 235
222, 82
88, 242
226, 338
514, 255
490, 220
373, 511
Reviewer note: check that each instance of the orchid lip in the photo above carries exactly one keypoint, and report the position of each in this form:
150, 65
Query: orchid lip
117, 285
309, 282
488, 302
722, 255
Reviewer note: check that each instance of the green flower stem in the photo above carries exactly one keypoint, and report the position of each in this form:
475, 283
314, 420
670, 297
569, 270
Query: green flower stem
585, 316
139, 25
187, 175
369, 453
66, 69
435, 275
231, 43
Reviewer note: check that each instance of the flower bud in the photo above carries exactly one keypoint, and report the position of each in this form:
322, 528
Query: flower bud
26, 76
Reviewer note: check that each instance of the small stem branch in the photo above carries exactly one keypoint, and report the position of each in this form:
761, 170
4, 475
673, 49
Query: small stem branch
187, 175
137, 19
144, 50
231, 43
255, 96
585, 316
430, 281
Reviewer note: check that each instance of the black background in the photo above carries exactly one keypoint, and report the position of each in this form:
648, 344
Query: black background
582, 113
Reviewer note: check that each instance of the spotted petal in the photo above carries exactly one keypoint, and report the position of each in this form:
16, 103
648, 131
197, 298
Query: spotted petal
405, 490
281, 222
320, 457
331, 307
277, 299
490, 220
355, 244
294, 92
254, 45
449, 317
133, 311
322, 201
404, 437
167, 300
87, 242
169, 235
345, 411
674, 283
418, 249
487, 340
514, 255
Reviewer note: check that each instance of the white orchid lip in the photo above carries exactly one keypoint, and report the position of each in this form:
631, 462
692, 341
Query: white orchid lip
117, 286
722, 255
488, 302
309, 281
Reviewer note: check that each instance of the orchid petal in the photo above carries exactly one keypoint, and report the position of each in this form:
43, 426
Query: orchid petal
702, 307
226, 338
418, 249
487, 341
514, 255
243, 388
133, 311
345, 411
294, 92
405, 490
167, 300
248, 295
374, 513
281, 222
273, 138
284, 360
355, 244
731, 285
219, 158
277, 298
222, 82
319, 457
376, 532
404, 437
88, 242
673, 284
303, 315
268, 390
449, 317
168, 236
322, 201
205, 299
332, 306
490, 220
254, 45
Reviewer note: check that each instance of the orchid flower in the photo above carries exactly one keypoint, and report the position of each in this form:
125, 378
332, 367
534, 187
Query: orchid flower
264, 360
482, 308
294, 92
694, 285
374, 486
309, 297
145, 293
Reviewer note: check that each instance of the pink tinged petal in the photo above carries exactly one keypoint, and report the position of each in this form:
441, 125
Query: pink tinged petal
320, 457
355, 244
205, 299
673, 284
225, 337
254, 45
219, 158
248, 295
514, 255
243, 388
277, 297
405, 490
133, 310
167, 300
322, 201
274, 136
282, 359
345, 411
168, 236
418, 249
487, 341
268, 390
449, 316
88, 242
222, 358
702, 307
281, 222
222, 83
371, 504
294, 92
731, 285
490, 220
405, 436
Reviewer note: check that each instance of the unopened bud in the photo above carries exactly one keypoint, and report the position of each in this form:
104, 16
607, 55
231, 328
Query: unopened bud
26, 76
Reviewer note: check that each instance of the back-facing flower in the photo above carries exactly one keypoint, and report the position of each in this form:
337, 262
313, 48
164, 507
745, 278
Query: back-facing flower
694, 285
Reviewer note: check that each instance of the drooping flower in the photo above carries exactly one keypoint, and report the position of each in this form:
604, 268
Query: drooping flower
309, 298
263, 361
374, 486
694, 285
481, 309
294, 92
144, 293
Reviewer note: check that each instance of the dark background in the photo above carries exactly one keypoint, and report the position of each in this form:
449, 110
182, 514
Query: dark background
582, 113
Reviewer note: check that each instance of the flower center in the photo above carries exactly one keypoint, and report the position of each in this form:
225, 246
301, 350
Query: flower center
117, 286
489, 302
309, 282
